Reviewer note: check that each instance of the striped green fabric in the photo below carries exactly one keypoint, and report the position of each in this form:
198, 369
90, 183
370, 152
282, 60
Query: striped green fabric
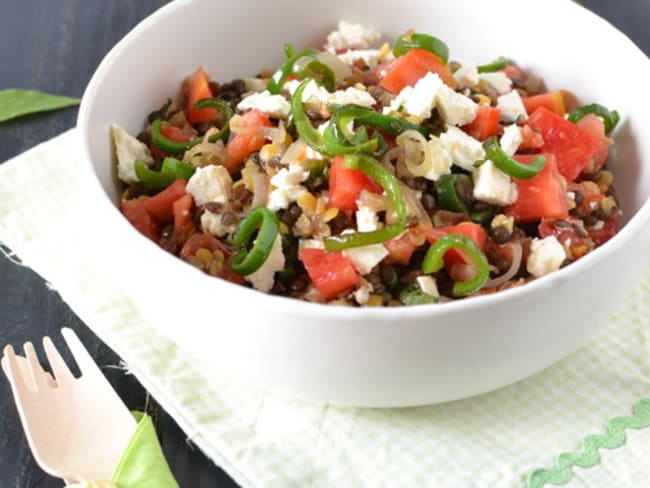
262, 439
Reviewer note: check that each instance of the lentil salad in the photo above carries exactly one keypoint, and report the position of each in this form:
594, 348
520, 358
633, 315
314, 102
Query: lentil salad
367, 174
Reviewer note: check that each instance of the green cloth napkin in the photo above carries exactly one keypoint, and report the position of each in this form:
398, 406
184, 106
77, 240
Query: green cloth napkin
594, 405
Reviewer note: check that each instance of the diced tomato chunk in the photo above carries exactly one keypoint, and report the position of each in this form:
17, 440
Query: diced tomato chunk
161, 205
197, 87
400, 249
136, 213
331, 272
553, 101
410, 67
242, 146
206, 241
175, 133
572, 146
532, 139
595, 126
485, 123
345, 185
540, 196
468, 229
514, 72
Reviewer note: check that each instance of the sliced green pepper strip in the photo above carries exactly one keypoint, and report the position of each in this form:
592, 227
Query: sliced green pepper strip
376, 120
248, 261
280, 75
153, 178
482, 216
508, 165
336, 143
408, 41
378, 172
305, 129
434, 261
610, 118
413, 295
318, 71
495, 65
448, 195
177, 168
227, 112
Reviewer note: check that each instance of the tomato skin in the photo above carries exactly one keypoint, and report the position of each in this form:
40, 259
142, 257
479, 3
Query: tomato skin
410, 67
345, 185
242, 146
197, 88
484, 124
468, 229
135, 212
331, 272
540, 196
400, 249
595, 126
553, 101
161, 205
174, 133
572, 146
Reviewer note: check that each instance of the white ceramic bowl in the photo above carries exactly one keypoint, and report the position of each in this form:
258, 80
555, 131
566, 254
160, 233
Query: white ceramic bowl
376, 357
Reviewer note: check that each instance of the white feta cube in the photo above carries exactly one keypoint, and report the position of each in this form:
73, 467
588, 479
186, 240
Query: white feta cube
491, 185
264, 277
441, 160
272, 105
370, 57
352, 95
313, 93
511, 139
511, 107
211, 224
367, 219
365, 258
455, 108
417, 101
210, 184
546, 255
498, 81
463, 149
428, 285
363, 291
467, 76
287, 186
351, 35
128, 150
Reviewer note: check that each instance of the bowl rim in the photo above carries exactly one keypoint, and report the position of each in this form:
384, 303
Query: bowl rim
537, 287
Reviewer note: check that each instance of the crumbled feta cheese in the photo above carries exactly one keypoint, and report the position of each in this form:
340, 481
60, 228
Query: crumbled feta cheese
363, 291
272, 105
287, 186
370, 57
463, 148
210, 184
511, 107
418, 100
367, 219
455, 108
313, 93
311, 244
428, 285
441, 160
491, 185
128, 150
498, 81
352, 95
264, 277
467, 76
211, 224
546, 255
365, 258
351, 35
511, 139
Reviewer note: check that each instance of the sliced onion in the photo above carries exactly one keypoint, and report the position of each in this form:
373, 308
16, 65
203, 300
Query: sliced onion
418, 158
517, 253
341, 70
260, 189
415, 207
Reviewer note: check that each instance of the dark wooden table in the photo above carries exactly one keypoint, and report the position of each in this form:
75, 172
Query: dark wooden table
55, 46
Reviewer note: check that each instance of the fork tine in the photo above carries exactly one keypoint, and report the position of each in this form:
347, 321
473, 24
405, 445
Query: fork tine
36, 372
85, 362
57, 364
20, 366
10, 366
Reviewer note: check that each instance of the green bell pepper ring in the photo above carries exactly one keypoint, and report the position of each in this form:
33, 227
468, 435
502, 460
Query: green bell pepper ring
433, 262
376, 120
610, 118
280, 75
508, 165
375, 170
319, 72
408, 41
227, 112
177, 168
447, 193
248, 261
151, 177
495, 65
305, 129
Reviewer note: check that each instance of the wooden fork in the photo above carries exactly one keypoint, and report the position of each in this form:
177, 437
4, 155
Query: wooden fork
77, 428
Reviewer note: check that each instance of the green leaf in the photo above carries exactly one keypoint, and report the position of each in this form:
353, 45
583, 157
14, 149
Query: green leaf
16, 103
